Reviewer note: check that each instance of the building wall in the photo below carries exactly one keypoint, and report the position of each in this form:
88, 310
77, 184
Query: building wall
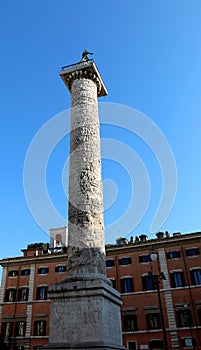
140, 308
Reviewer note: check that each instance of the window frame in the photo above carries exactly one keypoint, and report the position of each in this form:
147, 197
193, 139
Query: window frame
142, 256
37, 332
111, 261
155, 314
193, 342
180, 322
193, 271
113, 280
20, 294
23, 272
40, 269
151, 341
145, 278
132, 341
17, 329
125, 261
15, 273
127, 287
187, 250
129, 321
3, 329
177, 279
59, 267
8, 291
168, 254
38, 292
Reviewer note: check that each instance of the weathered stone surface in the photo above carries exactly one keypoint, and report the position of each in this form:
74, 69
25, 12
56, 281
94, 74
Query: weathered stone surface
84, 308
86, 260
85, 213
91, 314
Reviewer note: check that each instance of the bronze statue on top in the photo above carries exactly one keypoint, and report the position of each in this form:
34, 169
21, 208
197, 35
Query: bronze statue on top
85, 57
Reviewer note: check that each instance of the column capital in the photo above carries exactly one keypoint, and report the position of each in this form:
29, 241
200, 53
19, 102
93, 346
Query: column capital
81, 70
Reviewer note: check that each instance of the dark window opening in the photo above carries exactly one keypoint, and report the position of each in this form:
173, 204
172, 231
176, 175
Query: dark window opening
148, 283
41, 293
199, 315
40, 328
177, 279
127, 285
132, 345
188, 342
129, 323
113, 282
125, 261
192, 251
23, 294
6, 330
174, 255
60, 268
25, 272
156, 344
10, 295
43, 270
184, 318
144, 258
196, 276
20, 328
109, 262
153, 321
13, 273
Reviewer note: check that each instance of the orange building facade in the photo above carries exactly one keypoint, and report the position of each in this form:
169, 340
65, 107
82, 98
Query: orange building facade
26, 280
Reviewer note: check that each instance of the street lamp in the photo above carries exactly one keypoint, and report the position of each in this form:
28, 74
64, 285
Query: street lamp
156, 280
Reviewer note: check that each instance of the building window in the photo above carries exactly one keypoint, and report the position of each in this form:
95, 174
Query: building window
7, 330
126, 285
113, 282
109, 262
60, 268
132, 345
129, 323
188, 342
148, 283
184, 318
199, 315
43, 270
13, 273
23, 294
192, 251
196, 276
144, 258
156, 344
125, 261
153, 321
25, 272
40, 328
177, 279
20, 328
174, 255
10, 295
41, 293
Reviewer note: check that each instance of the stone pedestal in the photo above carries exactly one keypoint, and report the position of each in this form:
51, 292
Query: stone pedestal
85, 314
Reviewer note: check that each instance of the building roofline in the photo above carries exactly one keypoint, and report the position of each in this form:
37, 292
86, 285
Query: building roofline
112, 249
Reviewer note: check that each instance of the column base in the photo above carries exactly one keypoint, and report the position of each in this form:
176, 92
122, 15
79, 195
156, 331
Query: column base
85, 314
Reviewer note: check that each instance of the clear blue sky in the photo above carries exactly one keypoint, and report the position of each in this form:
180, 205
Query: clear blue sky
149, 54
